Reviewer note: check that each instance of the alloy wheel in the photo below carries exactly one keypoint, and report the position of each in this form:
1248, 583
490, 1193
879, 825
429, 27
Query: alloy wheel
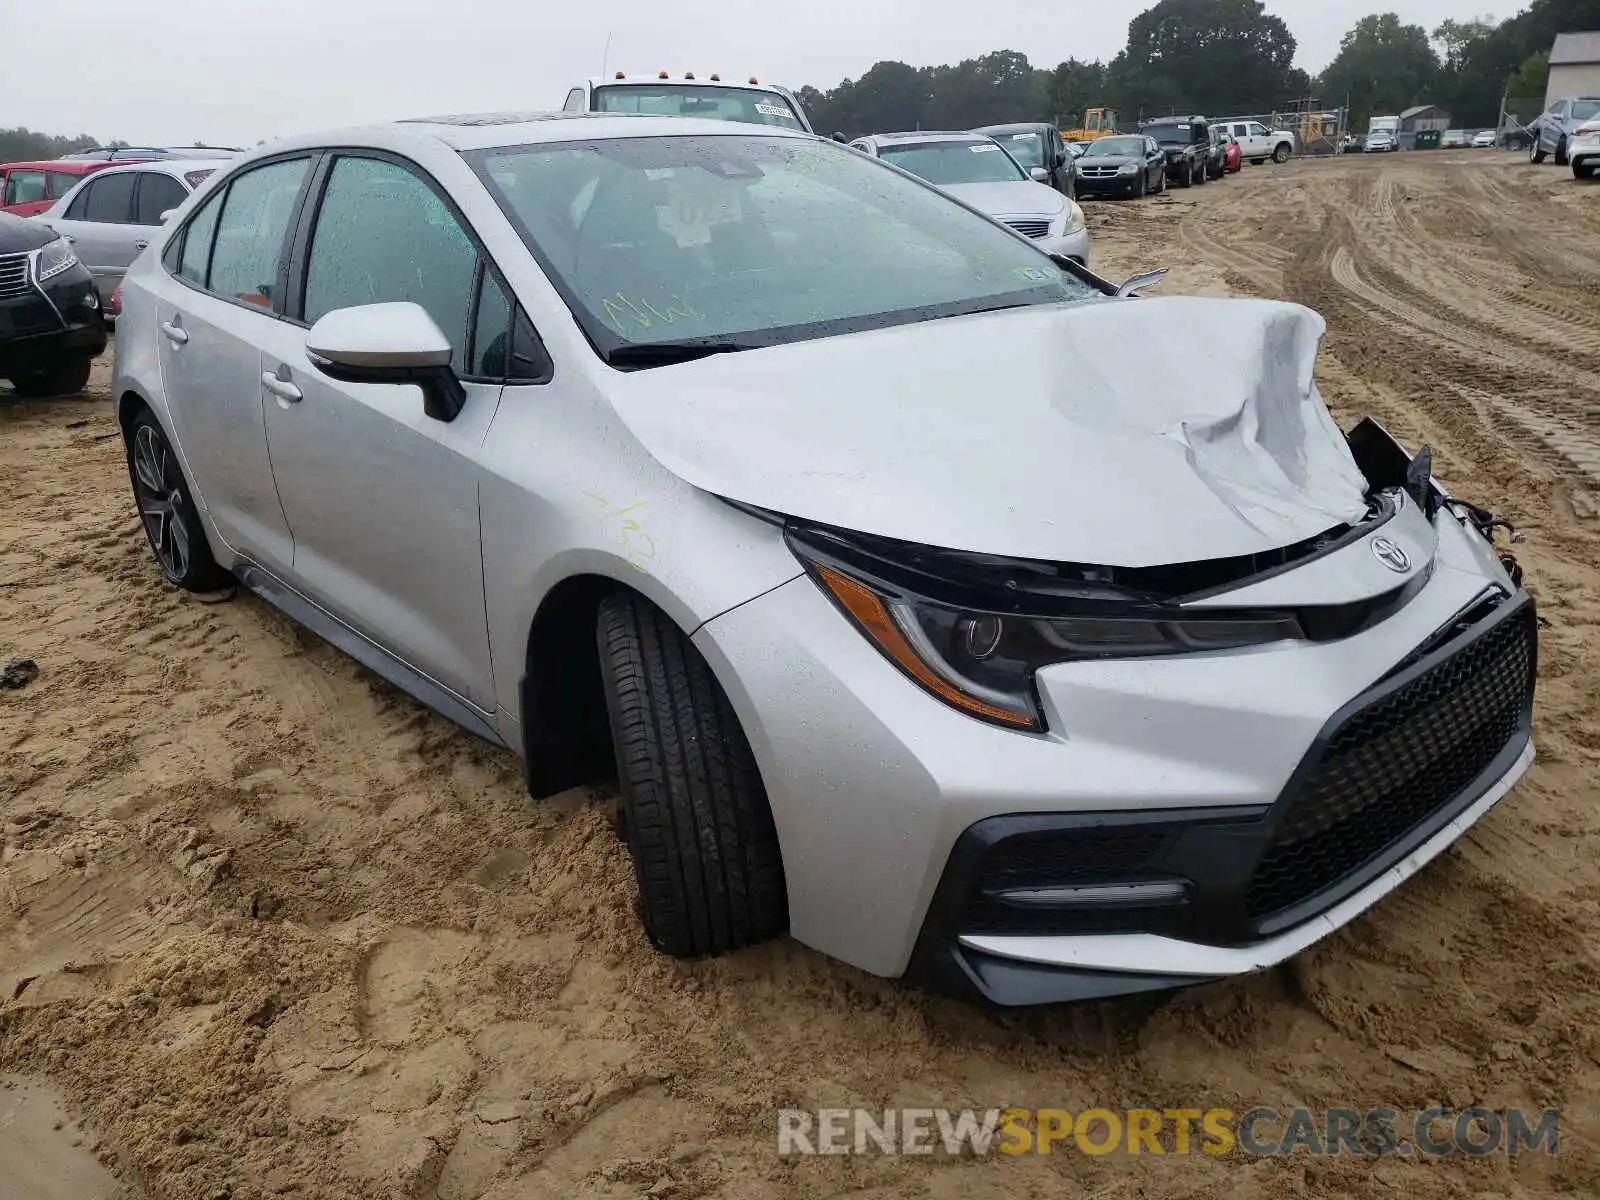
160, 495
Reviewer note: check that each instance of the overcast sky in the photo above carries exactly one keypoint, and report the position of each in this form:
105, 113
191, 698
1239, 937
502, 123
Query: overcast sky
231, 72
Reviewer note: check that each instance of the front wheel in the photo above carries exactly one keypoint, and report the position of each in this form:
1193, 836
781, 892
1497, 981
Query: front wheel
171, 522
699, 828
1280, 152
67, 377
1535, 152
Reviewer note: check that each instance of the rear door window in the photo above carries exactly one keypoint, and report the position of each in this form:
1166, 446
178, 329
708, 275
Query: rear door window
252, 232
110, 200
157, 194
25, 187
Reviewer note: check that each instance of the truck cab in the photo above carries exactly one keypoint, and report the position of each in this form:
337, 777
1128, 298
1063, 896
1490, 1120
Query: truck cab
687, 95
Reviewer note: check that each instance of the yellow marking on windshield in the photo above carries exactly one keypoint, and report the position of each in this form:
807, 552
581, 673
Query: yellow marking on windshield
620, 309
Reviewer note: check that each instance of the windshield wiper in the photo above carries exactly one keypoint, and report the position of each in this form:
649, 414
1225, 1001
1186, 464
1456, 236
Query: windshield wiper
661, 354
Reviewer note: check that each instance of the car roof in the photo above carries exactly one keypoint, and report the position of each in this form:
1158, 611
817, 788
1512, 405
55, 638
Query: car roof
1015, 127
931, 135
175, 167
698, 81
71, 166
482, 131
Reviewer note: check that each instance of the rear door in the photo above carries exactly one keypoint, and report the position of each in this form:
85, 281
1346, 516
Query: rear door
217, 306
382, 499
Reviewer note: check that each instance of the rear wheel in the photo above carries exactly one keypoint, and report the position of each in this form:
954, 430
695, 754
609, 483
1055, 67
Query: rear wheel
1561, 153
1583, 170
171, 522
698, 825
65, 377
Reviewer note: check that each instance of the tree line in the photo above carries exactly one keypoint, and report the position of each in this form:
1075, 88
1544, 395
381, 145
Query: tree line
1221, 58
25, 145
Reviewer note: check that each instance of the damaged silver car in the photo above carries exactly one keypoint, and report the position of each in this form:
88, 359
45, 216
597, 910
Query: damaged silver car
828, 516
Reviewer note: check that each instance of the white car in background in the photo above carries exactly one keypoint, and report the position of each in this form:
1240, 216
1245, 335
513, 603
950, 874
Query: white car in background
976, 170
1484, 139
114, 214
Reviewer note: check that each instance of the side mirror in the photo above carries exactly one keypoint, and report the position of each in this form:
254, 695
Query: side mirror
1143, 279
1039, 174
394, 343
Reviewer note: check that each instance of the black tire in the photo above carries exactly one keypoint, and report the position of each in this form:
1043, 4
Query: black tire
171, 523
1200, 175
1187, 179
1281, 152
1535, 151
1561, 152
698, 825
1583, 170
67, 377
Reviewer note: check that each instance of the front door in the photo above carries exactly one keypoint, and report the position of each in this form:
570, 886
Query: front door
381, 498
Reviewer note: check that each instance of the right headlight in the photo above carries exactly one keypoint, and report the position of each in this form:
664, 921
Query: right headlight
53, 258
983, 662
1127, 168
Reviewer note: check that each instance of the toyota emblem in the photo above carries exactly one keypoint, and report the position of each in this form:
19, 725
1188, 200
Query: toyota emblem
1391, 555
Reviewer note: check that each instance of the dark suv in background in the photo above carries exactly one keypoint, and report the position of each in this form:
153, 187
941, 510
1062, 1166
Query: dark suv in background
51, 326
1188, 145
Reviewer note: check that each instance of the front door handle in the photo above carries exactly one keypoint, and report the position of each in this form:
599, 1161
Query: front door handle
175, 333
140, 245
283, 389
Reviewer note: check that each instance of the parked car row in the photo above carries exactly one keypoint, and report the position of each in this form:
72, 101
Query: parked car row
767, 476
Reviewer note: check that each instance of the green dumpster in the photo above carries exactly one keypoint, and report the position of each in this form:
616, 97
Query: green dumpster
1428, 139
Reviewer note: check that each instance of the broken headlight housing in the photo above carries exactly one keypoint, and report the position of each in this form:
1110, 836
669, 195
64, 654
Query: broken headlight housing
981, 658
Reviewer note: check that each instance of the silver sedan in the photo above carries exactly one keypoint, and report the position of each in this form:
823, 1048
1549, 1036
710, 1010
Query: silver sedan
844, 528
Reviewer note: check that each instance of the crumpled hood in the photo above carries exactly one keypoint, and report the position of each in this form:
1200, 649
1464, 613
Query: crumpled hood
1117, 432
1024, 198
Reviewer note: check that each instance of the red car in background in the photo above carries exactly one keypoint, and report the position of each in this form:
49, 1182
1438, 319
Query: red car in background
1233, 154
27, 188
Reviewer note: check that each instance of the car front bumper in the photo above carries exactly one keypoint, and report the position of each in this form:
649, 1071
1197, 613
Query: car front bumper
40, 324
1073, 245
1109, 185
888, 803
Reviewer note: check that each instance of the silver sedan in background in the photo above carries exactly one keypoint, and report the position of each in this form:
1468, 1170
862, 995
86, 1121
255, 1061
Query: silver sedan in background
977, 170
114, 214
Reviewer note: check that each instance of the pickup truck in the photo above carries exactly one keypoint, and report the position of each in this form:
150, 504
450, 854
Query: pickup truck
1260, 143
1186, 142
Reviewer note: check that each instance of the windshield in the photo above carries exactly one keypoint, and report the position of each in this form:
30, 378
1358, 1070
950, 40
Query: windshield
756, 106
1585, 110
1026, 148
945, 163
713, 243
1170, 135
1116, 147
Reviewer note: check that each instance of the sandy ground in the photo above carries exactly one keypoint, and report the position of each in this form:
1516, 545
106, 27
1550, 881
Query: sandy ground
271, 928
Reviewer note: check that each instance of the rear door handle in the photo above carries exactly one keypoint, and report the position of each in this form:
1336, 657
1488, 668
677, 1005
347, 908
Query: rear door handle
281, 388
140, 245
175, 333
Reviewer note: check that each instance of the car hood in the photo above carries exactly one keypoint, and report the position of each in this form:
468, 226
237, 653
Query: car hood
1022, 198
1116, 432
19, 234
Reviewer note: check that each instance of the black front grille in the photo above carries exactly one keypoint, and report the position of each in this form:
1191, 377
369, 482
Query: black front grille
13, 274
1029, 227
1395, 762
